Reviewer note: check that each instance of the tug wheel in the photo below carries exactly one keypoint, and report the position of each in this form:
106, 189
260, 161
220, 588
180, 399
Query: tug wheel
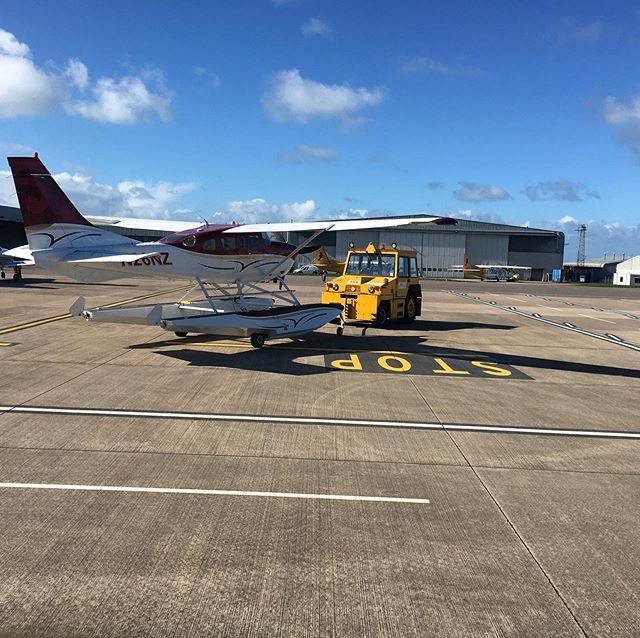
258, 339
382, 317
340, 331
410, 309
181, 334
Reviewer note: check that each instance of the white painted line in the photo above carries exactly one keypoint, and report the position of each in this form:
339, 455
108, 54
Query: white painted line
537, 317
302, 420
596, 318
187, 490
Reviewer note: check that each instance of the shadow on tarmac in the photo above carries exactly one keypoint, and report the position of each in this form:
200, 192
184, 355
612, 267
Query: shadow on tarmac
281, 356
445, 326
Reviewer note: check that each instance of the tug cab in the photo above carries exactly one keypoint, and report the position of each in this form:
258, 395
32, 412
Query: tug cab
377, 286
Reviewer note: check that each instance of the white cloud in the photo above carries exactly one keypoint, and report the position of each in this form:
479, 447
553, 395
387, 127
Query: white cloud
317, 27
17, 148
125, 101
129, 198
292, 98
568, 31
27, 90
601, 237
625, 118
559, 189
472, 192
618, 113
212, 77
257, 210
418, 64
306, 152
9, 45
77, 73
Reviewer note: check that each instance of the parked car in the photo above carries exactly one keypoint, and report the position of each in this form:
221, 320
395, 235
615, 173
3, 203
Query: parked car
307, 269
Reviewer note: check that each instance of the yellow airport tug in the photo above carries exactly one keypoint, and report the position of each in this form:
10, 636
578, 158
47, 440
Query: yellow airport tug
378, 285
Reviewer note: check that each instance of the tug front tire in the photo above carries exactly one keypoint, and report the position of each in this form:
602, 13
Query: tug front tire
382, 317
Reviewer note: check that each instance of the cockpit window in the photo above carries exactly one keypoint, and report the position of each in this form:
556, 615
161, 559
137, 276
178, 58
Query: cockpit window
370, 265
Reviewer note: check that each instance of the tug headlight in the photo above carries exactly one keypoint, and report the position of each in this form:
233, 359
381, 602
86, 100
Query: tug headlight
371, 289
335, 287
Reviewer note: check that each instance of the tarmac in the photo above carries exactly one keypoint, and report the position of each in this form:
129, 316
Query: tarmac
476, 473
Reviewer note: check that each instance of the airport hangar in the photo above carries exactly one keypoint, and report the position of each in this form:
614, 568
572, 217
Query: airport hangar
438, 247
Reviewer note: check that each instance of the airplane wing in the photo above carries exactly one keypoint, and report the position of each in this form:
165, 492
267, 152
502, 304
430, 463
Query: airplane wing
20, 256
143, 223
342, 224
503, 267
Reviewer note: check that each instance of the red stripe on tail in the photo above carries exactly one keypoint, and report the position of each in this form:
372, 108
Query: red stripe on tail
42, 201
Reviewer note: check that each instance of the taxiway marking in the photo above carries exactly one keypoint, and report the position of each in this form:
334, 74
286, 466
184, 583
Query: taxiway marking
40, 322
303, 420
596, 318
551, 322
188, 490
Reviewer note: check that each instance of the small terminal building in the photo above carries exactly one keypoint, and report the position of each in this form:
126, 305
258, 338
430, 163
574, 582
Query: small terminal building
628, 272
599, 270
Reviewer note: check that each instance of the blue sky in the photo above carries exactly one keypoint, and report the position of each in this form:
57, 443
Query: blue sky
285, 109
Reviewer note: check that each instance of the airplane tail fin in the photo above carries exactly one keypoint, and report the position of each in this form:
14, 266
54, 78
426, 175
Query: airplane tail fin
468, 267
320, 257
42, 201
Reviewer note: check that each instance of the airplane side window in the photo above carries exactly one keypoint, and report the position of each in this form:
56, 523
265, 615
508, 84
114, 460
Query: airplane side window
209, 246
228, 243
189, 242
254, 242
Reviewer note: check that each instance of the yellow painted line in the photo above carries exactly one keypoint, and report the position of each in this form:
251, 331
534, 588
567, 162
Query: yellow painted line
225, 344
39, 322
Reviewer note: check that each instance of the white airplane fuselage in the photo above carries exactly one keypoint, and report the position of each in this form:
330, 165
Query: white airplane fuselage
61, 248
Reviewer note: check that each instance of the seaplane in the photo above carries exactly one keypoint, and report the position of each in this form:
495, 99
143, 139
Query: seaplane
230, 264
490, 272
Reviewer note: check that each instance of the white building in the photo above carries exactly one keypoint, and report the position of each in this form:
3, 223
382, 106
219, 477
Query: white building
628, 272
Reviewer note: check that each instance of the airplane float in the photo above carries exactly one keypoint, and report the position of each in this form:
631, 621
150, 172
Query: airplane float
228, 262
490, 272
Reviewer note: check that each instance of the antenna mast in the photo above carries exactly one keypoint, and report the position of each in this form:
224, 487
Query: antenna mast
582, 232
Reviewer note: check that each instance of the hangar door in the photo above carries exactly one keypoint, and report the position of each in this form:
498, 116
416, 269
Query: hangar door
485, 248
